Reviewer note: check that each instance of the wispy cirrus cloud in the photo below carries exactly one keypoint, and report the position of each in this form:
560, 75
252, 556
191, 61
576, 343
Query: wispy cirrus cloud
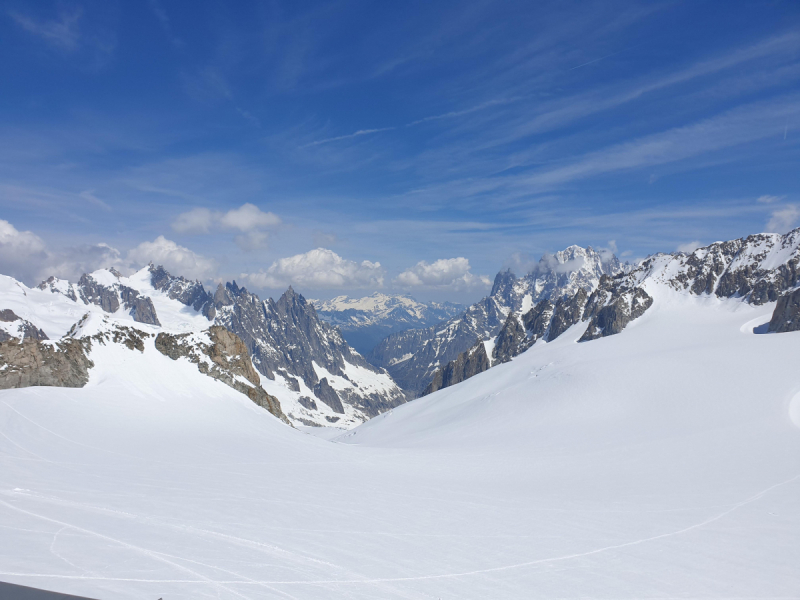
741, 125
62, 32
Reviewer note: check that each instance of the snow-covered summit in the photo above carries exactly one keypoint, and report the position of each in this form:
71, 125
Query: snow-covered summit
412, 357
302, 361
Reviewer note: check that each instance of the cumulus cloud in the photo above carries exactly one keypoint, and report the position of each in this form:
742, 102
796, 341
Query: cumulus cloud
784, 218
249, 220
176, 259
249, 217
71, 263
26, 257
689, 247
445, 272
319, 268
22, 253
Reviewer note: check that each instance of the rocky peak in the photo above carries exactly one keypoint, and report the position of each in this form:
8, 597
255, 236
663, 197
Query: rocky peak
503, 283
104, 289
190, 293
14, 327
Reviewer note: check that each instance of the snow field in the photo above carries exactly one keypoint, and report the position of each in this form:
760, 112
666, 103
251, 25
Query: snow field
663, 462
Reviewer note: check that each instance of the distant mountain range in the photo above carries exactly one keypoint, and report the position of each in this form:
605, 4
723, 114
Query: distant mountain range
364, 322
295, 361
758, 269
302, 361
413, 357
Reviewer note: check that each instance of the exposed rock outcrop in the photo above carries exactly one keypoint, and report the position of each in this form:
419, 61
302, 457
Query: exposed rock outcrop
185, 291
108, 297
611, 307
412, 357
786, 316
222, 356
15, 327
328, 395
31, 362
465, 366
510, 339
286, 339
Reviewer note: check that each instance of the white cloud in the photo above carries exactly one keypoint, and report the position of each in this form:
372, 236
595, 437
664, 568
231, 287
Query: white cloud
320, 268
73, 262
248, 219
25, 256
22, 253
767, 199
689, 247
197, 220
609, 253
784, 218
176, 259
445, 272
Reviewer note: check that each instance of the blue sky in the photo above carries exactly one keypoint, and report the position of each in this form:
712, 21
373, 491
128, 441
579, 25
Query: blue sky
345, 147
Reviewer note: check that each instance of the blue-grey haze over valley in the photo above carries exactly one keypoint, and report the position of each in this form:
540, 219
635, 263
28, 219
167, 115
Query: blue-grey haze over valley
352, 147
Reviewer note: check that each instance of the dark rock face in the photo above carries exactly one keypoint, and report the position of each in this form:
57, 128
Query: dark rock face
23, 330
92, 292
428, 348
308, 403
567, 312
190, 293
230, 360
8, 315
465, 366
109, 298
747, 268
328, 395
51, 284
510, 339
32, 362
286, 338
611, 307
412, 357
537, 319
786, 316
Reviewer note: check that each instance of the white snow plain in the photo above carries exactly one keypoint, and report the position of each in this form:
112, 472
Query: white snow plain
663, 462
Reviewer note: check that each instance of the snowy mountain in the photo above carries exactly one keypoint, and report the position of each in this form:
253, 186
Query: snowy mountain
303, 362
366, 321
413, 357
758, 269
660, 462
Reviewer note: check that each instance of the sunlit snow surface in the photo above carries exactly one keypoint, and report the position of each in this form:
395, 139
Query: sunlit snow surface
663, 462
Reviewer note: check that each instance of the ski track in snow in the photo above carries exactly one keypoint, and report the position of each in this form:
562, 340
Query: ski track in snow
223, 583
568, 452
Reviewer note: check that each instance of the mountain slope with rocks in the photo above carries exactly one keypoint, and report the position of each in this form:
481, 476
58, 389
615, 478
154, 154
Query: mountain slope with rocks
413, 357
366, 321
302, 361
757, 269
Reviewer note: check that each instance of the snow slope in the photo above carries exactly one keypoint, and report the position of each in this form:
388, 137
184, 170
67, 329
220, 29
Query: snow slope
663, 462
